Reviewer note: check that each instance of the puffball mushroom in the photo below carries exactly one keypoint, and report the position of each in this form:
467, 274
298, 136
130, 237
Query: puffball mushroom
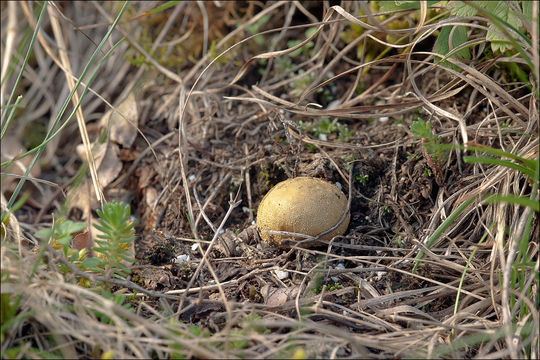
303, 205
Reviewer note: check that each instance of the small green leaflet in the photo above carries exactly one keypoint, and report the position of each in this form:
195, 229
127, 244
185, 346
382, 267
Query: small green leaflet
444, 43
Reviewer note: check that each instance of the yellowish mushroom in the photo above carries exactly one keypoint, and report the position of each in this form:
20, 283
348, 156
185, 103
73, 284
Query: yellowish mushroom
302, 205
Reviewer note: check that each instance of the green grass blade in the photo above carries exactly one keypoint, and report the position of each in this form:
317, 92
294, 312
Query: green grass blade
499, 153
10, 116
163, 7
25, 62
19, 53
85, 90
17, 319
465, 271
532, 164
505, 163
440, 230
39, 149
514, 199
472, 340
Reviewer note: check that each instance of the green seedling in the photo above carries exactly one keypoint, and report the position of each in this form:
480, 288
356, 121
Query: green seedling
430, 142
118, 233
362, 179
306, 49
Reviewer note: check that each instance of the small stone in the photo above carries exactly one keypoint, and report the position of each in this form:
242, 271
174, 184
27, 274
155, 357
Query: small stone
281, 274
182, 259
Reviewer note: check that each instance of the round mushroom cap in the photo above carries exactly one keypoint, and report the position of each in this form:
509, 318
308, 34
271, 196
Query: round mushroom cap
303, 205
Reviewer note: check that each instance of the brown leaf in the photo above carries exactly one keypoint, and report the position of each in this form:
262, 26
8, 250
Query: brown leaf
156, 278
11, 148
11, 232
106, 159
108, 167
278, 296
122, 124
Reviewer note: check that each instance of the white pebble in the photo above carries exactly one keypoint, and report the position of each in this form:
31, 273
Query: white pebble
281, 274
323, 137
333, 104
181, 259
194, 246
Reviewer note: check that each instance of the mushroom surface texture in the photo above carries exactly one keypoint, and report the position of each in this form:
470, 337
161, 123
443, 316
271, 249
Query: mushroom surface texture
302, 205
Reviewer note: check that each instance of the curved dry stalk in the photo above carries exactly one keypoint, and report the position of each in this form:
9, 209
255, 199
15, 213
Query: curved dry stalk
75, 99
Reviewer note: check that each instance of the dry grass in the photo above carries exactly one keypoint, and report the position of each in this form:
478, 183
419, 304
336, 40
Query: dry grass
222, 118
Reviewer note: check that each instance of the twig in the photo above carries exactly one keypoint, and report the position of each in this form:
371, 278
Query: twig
204, 260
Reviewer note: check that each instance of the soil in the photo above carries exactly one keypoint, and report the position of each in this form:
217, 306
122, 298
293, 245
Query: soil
393, 194
195, 181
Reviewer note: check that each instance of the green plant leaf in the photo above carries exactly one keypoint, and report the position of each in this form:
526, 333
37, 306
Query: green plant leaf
163, 7
501, 10
92, 262
465, 270
254, 28
44, 234
118, 230
421, 129
444, 43
70, 227
527, 10
529, 163
514, 199
532, 164
310, 31
385, 6
494, 161
292, 43
459, 8
440, 230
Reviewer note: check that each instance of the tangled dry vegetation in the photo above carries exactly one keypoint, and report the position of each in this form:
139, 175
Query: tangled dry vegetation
215, 103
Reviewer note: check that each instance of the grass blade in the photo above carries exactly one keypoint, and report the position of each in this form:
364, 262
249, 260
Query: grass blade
39, 149
494, 161
514, 199
23, 66
440, 230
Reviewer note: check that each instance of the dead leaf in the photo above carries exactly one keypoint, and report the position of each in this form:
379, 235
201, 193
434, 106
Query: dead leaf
81, 240
11, 148
226, 272
150, 197
278, 296
108, 168
192, 311
122, 124
10, 230
106, 158
156, 278
144, 177
404, 309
